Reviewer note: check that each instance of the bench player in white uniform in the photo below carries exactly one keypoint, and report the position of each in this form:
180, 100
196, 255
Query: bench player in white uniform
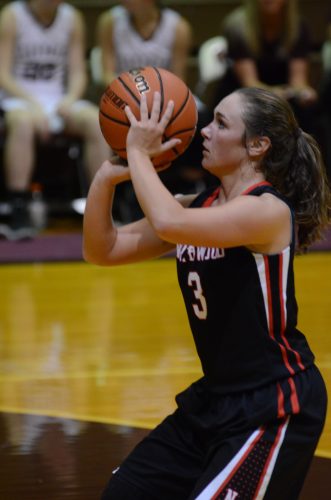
142, 33
43, 77
249, 427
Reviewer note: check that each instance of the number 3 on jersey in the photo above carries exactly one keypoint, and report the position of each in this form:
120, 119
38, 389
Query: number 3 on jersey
200, 308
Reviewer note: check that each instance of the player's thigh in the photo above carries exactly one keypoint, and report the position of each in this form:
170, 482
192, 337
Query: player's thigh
20, 119
271, 462
165, 465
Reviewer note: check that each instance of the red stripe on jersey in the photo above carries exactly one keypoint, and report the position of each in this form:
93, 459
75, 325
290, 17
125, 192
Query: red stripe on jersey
280, 401
271, 319
208, 201
282, 313
242, 459
258, 184
270, 312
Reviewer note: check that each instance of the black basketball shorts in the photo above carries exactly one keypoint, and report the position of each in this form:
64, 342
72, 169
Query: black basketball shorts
234, 447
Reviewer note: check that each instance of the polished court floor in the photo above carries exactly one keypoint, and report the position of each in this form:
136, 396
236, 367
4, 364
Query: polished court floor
91, 358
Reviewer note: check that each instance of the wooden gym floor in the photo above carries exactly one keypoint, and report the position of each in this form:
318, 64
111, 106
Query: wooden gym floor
91, 359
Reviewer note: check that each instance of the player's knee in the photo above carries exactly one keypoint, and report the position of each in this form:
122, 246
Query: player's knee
20, 123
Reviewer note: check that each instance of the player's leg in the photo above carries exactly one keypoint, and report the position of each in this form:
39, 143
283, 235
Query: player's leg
272, 460
165, 465
19, 159
83, 121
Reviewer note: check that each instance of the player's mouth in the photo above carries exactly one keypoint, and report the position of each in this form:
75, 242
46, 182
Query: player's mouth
205, 150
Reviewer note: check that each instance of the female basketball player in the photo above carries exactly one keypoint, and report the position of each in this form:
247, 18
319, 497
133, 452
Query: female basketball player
249, 427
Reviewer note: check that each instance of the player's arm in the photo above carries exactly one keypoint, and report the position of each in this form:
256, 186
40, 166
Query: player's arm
105, 41
7, 48
77, 76
103, 242
298, 80
261, 223
247, 74
181, 49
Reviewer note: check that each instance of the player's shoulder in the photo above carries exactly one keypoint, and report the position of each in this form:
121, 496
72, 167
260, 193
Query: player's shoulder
13, 8
9, 14
110, 17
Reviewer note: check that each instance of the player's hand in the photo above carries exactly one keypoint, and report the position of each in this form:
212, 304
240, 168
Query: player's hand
146, 134
63, 108
114, 171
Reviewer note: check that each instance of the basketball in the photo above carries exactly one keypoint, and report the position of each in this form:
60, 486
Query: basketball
127, 89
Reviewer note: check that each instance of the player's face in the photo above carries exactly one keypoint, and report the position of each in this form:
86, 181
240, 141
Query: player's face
272, 6
135, 5
224, 150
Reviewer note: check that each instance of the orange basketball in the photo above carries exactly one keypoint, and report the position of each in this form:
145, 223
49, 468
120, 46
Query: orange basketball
127, 89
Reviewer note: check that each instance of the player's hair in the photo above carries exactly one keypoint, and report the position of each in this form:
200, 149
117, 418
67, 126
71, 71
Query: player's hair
293, 164
246, 20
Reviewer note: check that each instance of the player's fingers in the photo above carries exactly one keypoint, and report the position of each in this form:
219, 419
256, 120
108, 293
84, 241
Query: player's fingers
172, 143
132, 119
143, 108
155, 113
167, 114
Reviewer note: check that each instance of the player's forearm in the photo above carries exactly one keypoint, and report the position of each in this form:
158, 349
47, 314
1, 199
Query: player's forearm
157, 203
76, 87
99, 232
11, 87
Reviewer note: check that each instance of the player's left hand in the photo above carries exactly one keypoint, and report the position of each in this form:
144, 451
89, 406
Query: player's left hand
145, 135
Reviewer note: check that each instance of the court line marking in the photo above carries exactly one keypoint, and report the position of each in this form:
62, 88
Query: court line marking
97, 374
114, 373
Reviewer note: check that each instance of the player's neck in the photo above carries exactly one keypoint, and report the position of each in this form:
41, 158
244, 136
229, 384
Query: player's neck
233, 186
44, 14
272, 25
146, 22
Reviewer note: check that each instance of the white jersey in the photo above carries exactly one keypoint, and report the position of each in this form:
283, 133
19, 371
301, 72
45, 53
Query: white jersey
40, 57
132, 51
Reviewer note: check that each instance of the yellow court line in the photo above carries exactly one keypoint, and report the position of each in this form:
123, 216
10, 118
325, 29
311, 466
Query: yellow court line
106, 373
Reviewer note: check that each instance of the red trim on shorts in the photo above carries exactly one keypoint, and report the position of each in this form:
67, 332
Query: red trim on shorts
280, 401
243, 458
270, 456
294, 396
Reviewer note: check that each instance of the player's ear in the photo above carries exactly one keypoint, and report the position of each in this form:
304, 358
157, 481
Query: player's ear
258, 146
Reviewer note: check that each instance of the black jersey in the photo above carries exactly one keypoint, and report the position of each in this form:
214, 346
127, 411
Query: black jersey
242, 311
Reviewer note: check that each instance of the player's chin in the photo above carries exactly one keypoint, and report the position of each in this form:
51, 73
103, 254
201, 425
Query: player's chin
205, 160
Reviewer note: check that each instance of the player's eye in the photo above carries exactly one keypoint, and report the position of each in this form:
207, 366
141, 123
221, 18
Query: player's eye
220, 123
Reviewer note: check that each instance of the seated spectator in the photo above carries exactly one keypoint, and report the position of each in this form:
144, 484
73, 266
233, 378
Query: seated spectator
269, 46
43, 77
143, 33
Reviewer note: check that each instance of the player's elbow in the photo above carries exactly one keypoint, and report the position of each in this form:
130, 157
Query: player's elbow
95, 256
164, 228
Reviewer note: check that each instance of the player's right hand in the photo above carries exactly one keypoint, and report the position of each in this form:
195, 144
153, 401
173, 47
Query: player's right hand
114, 171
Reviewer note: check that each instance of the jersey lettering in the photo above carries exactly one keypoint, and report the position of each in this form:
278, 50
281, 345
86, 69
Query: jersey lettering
231, 494
38, 71
189, 253
199, 308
